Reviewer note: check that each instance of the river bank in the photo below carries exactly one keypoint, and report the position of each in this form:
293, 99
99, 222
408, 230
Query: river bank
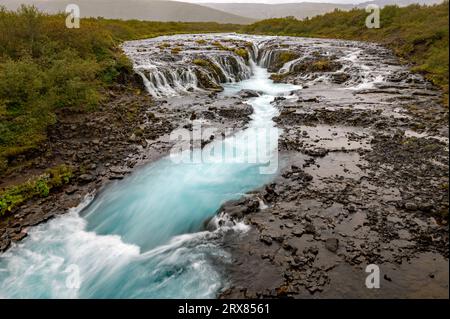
363, 155
129, 130
169, 200
365, 182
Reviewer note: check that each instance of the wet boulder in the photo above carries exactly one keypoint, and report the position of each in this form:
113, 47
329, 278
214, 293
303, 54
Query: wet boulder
86, 178
237, 209
340, 77
247, 93
332, 244
317, 65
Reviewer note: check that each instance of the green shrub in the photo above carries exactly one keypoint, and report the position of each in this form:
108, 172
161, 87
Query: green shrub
45, 66
21, 83
42, 188
12, 197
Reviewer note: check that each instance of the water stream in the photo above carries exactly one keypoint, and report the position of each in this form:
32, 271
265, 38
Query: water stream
144, 236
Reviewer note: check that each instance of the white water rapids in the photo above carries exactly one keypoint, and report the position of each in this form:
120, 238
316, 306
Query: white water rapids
143, 237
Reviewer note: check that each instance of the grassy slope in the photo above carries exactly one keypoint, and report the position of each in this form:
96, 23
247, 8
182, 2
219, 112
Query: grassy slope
417, 34
45, 66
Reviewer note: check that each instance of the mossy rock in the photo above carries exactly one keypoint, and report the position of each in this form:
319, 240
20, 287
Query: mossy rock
279, 77
243, 53
205, 82
211, 68
316, 66
176, 50
281, 58
14, 196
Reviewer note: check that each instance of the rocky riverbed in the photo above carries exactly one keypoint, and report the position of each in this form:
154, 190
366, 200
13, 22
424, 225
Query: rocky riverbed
364, 181
363, 150
129, 130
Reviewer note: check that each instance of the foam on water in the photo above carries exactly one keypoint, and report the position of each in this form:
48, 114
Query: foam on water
144, 236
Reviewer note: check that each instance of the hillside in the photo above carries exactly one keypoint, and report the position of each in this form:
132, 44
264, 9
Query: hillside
151, 10
300, 9
45, 67
417, 34
264, 11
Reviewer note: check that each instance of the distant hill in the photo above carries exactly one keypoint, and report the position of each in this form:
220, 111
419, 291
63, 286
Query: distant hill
400, 3
261, 11
300, 10
152, 10
167, 10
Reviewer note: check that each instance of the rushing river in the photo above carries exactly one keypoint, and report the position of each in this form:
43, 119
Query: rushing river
144, 236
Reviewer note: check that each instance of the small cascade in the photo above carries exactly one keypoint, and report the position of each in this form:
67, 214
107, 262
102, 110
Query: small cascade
271, 56
254, 51
288, 66
359, 65
266, 57
232, 66
167, 73
165, 81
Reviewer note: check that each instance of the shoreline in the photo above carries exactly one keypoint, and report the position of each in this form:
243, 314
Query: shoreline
321, 225
134, 154
363, 185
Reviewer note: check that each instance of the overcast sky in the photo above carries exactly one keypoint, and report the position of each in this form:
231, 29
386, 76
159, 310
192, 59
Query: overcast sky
274, 1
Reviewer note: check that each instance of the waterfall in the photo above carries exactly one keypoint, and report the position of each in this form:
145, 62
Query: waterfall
288, 66
165, 81
170, 80
167, 73
234, 67
145, 237
266, 57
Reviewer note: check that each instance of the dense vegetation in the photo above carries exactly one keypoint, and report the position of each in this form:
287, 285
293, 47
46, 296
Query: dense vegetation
417, 34
45, 66
38, 187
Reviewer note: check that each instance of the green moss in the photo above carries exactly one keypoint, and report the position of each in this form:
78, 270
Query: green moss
284, 57
206, 83
164, 45
211, 68
176, 50
321, 65
243, 53
45, 66
279, 77
41, 186
201, 62
201, 41
220, 46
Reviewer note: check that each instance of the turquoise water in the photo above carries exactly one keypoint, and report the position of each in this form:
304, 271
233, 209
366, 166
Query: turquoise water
144, 237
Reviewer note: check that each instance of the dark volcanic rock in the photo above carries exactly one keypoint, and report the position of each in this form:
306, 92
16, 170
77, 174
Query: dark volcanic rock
332, 244
364, 179
340, 78
249, 93
86, 178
